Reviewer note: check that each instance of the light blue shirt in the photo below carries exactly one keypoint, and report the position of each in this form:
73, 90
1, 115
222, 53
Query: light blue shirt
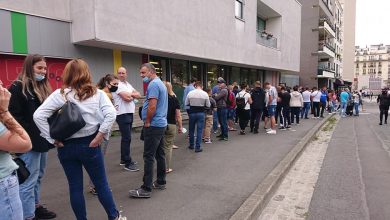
7, 165
157, 90
344, 96
188, 89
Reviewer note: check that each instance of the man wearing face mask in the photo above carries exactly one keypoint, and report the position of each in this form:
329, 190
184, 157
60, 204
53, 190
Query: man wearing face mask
124, 103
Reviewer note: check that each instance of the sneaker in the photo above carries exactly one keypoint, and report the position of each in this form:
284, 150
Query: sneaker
282, 128
288, 127
190, 147
208, 141
92, 190
268, 129
198, 150
298, 124
120, 217
380, 123
139, 193
158, 186
223, 139
271, 132
175, 147
256, 131
220, 136
242, 132
131, 167
42, 213
122, 163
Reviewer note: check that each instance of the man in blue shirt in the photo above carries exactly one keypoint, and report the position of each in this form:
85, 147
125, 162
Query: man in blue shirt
188, 89
344, 97
154, 115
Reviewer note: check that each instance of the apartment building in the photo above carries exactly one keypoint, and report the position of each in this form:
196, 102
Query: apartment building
238, 40
372, 67
322, 43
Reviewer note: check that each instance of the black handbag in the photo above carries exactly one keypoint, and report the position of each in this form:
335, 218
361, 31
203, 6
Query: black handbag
22, 171
66, 121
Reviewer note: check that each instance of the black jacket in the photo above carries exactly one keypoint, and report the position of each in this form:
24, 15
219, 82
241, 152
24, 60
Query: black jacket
383, 99
23, 108
258, 98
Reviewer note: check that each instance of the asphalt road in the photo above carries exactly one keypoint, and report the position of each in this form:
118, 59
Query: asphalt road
208, 185
354, 182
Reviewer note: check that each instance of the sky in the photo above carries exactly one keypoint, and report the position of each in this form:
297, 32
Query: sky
372, 22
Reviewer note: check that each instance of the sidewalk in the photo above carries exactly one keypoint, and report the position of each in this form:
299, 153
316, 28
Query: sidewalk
209, 185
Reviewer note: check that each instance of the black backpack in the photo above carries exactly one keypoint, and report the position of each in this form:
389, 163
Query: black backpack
240, 101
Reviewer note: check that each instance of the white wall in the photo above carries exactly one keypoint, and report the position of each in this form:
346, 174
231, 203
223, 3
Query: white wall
56, 9
205, 29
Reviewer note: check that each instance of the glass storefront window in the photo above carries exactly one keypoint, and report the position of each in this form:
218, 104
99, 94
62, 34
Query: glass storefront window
196, 71
252, 77
161, 66
180, 78
212, 75
235, 75
244, 75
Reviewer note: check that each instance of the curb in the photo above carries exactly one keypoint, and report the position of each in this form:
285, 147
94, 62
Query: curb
256, 202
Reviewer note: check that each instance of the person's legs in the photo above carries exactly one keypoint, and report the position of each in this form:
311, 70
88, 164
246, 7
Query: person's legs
344, 108
317, 109
10, 203
215, 121
307, 108
386, 112
223, 122
257, 120
199, 127
356, 108
169, 138
125, 122
191, 131
160, 156
27, 189
207, 127
42, 167
245, 119
323, 106
252, 119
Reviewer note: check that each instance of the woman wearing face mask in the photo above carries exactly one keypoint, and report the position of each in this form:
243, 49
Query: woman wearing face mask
109, 84
28, 92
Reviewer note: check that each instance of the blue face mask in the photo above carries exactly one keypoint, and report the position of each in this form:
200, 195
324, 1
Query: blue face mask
39, 77
146, 79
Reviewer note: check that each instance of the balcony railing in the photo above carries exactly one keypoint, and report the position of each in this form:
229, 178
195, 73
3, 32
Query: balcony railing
266, 39
324, 20
326, 44
326, 66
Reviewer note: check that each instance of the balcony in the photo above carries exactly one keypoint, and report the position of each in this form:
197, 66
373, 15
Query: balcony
325, 25
326, 70
326, 50
266, 39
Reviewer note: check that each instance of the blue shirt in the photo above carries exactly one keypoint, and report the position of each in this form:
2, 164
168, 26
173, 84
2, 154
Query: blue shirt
188, 89
215, 89
157, 90
344, 96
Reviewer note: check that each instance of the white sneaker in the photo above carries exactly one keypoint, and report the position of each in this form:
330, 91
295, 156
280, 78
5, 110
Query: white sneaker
268, 129
271, 132
120, 217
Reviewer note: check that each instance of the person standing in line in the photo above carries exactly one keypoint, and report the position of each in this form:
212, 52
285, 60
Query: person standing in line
214, 91
13, 138
82, 149
154, 115
231, 109
306, 103
279, 113
125, 106
344, 97
108, 83
296, 103
272, 101
257, 106
316, 97
188, 89
323, 100
29, 91
221, 99
209, 118
173, 118
356, 102
199, 101
384, 103
285, 98
244, 101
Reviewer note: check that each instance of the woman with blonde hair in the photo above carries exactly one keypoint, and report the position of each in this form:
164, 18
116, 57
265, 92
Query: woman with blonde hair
29, 91
173, 117
82, 149
13, 138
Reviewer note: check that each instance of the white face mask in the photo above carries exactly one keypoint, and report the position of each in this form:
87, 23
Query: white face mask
39, 77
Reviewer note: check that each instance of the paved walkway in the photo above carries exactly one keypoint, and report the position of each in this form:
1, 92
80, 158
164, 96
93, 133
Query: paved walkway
209, 185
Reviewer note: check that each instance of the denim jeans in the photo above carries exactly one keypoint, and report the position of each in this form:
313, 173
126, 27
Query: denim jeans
10, 204
75, 155
356, 105
255, 116
343, 108
316, 109
153, 149
125, 123
222, 119
323, 107
196, 120
29, 191
215, 121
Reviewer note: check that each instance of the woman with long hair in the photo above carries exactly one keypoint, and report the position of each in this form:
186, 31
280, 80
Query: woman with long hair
29, 91
82, 149
13, 138
173, 117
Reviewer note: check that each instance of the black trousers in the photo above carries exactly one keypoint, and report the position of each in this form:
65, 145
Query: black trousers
286, 116
384, 110
316, 109
153, 149
323, 106
243, 117
255, 118
295, 113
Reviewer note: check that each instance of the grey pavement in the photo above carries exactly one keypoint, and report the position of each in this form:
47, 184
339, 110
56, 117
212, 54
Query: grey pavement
208, 185
354, 182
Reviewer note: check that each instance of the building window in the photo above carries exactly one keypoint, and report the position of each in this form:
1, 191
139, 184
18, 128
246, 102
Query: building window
239, 9
261, 24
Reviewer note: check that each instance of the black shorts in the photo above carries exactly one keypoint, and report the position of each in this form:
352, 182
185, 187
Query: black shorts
265, 113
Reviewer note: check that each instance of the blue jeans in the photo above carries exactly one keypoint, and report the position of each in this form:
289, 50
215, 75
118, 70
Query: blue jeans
222, 119
196, 119
10, 204
305, 109
215, 121
29, 191
125, 123
75, 155
343, 108
356, 105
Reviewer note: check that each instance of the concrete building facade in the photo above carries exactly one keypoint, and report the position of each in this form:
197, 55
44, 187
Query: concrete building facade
239, 40
372, 67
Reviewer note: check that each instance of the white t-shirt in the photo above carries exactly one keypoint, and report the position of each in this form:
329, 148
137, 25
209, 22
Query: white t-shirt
306, 96
316, 96
121, 106
246, 96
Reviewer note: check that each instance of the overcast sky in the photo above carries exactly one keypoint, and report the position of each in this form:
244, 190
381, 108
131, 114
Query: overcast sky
372, 22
